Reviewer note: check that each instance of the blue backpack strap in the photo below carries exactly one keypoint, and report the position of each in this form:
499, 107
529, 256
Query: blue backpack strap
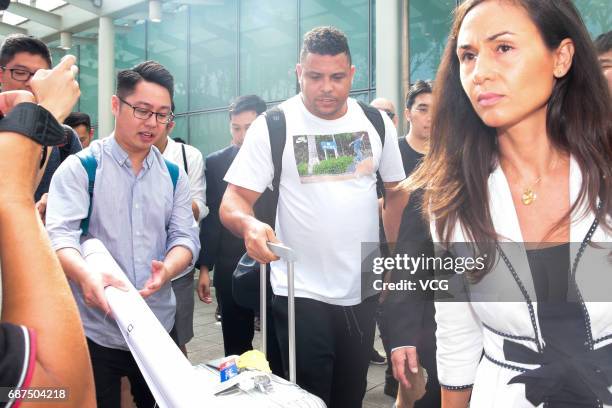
173, 169
90, 164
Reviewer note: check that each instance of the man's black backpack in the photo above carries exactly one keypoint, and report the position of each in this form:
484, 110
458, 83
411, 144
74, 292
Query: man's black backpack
245, 279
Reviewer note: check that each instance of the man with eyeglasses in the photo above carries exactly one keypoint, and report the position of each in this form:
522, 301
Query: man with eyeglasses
140, 213
20, 57
386, 106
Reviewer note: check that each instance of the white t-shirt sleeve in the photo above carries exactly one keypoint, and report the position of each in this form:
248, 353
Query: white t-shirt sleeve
253, 168
197, 182
391, 168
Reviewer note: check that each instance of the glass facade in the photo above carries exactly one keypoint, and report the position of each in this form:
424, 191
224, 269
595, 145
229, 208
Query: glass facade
129, 45
429, 22
213, 57
219, 51
167, 44
88, 80
267, 48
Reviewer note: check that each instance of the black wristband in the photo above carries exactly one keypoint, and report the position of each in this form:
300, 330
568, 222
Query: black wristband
35, 122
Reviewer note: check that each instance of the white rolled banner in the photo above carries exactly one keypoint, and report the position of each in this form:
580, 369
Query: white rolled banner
172, 380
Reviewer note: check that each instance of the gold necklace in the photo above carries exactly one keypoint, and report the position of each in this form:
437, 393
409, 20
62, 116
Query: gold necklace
529, 195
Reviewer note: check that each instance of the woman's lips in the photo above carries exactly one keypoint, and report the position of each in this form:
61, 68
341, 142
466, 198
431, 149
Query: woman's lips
488, 98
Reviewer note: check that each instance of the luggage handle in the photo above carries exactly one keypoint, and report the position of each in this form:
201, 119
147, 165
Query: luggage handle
289, 256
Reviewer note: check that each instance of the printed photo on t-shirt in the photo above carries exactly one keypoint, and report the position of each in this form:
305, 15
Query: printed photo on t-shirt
342, 156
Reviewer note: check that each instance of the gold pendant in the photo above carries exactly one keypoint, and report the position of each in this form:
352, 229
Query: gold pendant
529, 196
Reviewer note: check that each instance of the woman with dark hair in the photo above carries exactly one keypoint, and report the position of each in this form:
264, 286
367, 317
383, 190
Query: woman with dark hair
521, 152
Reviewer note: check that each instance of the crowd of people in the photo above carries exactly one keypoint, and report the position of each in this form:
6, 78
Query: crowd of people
511, 144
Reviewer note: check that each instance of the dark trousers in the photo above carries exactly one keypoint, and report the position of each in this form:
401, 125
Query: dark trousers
109, 365
236, 323
333, 346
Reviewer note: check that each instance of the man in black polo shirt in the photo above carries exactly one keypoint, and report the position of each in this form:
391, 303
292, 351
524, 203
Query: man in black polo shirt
418, 113
413, 148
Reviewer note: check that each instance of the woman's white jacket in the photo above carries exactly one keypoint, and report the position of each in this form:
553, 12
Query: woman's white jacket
471, 335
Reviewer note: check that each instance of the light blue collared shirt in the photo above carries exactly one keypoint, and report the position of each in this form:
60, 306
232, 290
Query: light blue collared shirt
139, 218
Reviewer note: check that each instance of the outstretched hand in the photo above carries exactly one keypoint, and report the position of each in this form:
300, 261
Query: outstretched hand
158, 278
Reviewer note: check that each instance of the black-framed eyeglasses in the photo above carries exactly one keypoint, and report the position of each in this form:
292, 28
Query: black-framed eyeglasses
19, 74
142, 113
390, 114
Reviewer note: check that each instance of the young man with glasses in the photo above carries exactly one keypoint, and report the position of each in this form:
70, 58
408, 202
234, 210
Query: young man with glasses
386, 106
20, 57
138, 212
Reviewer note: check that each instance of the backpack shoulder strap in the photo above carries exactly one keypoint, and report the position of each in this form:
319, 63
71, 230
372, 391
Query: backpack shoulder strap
184, 159
90, 164
375, 118
266, 205
173, 169
277, 131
